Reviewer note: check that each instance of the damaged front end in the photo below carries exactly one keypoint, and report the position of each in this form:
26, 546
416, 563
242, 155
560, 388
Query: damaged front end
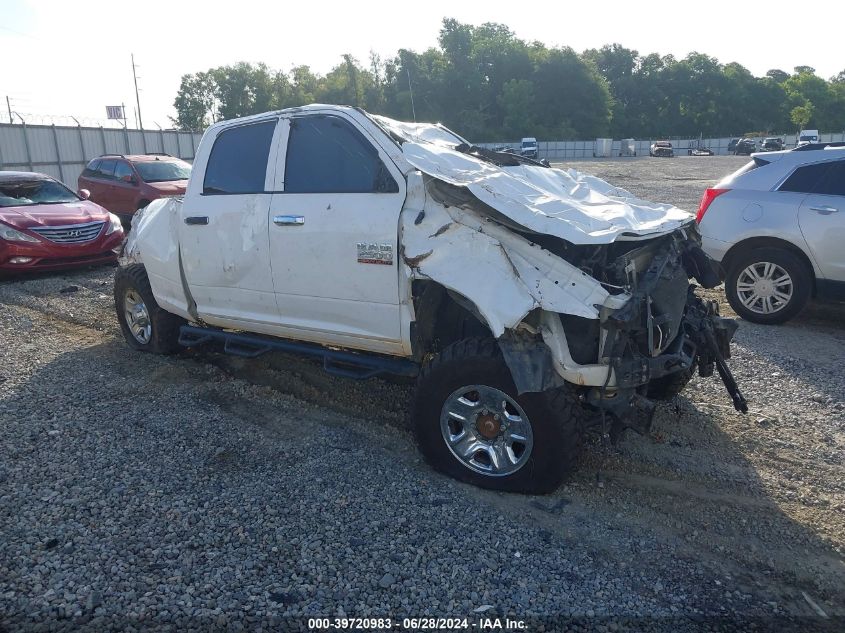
664, 330
652, 343
579, 282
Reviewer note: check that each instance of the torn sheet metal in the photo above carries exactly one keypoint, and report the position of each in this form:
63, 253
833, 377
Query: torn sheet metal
154, 241
573, 206
420, 132
501, 272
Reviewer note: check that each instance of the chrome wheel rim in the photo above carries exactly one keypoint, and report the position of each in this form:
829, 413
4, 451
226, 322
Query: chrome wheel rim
137, 317
764, 288
486, 430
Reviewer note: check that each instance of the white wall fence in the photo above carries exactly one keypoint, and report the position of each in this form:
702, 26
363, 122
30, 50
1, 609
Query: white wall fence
63, 151
561, 150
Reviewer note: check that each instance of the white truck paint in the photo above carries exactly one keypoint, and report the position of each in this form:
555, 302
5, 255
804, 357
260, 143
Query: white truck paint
437, 255
243, 272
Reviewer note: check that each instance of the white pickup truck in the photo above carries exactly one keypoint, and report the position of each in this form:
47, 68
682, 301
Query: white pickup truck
530, 303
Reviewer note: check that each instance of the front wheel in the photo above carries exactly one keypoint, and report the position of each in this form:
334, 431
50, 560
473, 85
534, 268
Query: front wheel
471, 423
145, 325
768, 285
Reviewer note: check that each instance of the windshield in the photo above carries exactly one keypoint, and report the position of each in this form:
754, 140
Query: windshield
807, 138
20, 193
163, 171
529, 143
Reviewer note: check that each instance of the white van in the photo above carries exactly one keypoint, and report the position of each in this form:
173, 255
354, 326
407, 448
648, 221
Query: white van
528, 147
807, 136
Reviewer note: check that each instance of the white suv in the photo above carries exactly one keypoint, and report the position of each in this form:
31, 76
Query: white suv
777, 226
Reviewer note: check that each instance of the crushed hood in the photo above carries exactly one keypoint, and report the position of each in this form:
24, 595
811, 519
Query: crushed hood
576, 207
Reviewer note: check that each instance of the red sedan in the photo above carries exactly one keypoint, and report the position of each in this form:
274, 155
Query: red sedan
46, 226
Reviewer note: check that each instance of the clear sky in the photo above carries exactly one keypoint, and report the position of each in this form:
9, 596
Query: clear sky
68, 58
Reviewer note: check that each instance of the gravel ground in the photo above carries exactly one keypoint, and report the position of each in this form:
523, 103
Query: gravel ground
208, 492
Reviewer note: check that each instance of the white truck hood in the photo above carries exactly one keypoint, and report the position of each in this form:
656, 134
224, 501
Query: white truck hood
576, 207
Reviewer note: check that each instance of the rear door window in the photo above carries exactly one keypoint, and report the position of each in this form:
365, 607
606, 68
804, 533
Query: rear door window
326, 154
91, 169
805, 179
106, 169
122, 169
238, 160
833, 181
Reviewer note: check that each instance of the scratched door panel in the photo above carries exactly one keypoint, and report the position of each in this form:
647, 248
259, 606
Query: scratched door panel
333, 233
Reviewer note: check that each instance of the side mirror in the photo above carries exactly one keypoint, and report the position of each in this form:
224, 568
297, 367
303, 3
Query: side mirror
84, 194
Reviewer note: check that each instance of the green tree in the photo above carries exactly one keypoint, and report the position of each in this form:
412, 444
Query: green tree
243, 89
195, 102
618, 65
304, 85
777, 75
802, 115
488, 84
807, 87
517, 104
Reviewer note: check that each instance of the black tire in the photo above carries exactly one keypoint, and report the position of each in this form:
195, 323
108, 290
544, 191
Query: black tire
798, 271
667, 387
556, 418
164, 326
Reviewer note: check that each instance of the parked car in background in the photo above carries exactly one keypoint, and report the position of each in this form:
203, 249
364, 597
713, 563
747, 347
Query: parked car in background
528, 148
698, 148
125, 183
807, 136
772, 144
46, 226
662, 149
504, 148
745, 147
777, 225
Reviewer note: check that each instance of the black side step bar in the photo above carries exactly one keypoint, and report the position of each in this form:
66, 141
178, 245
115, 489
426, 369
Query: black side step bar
336, 362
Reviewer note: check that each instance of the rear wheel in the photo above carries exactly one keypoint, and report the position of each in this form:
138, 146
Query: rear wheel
472, 424
768, 285
145, 325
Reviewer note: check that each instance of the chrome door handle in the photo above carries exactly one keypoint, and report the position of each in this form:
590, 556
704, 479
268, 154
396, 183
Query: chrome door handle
824, 210
288, 220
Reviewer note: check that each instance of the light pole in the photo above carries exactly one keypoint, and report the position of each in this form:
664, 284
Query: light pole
137, 99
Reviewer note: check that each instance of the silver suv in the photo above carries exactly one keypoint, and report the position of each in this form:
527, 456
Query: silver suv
777, 225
